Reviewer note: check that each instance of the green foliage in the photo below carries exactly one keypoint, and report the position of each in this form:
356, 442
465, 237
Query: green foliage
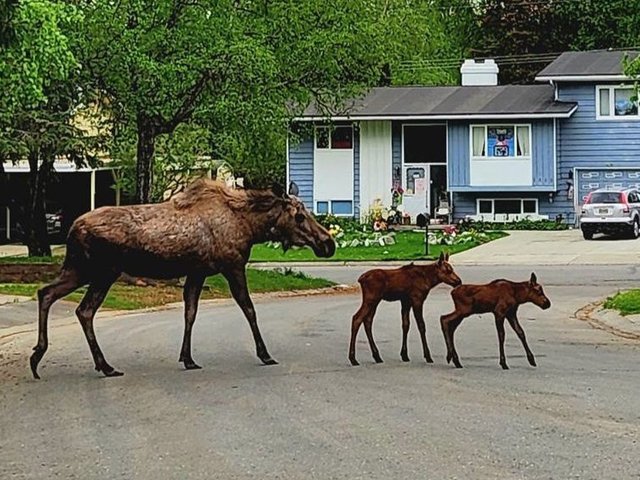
627, 303
243, 69
39, 53
523, 224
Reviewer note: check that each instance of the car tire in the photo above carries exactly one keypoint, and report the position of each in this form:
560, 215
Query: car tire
587, 235
634, 232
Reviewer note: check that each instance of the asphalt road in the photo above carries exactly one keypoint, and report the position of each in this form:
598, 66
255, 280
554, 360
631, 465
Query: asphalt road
314, 416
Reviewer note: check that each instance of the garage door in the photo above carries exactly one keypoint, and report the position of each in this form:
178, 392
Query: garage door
592, 179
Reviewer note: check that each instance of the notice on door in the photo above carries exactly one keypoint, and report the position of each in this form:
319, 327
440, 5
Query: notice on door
420, 186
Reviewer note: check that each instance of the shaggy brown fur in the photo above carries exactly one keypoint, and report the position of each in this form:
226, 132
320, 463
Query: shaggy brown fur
500, 297
410, 285
205, 230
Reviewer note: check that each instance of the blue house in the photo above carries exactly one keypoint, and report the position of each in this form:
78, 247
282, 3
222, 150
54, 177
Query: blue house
492, 152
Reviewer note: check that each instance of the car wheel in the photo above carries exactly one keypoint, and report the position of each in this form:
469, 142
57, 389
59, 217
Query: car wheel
587, 235
635, 229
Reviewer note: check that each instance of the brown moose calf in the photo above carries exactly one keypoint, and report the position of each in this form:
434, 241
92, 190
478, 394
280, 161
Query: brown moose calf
502, 298
410, 285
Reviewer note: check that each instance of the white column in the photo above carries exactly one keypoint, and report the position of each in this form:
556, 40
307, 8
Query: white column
92, 199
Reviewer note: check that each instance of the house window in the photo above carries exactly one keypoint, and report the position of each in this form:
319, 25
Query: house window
334, 138
507, 206
500, 141
616, 103
335, 207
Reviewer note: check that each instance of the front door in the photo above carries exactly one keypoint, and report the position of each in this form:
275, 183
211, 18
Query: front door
416, 181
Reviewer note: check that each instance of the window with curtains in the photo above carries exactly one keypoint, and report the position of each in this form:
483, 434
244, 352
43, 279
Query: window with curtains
499, 141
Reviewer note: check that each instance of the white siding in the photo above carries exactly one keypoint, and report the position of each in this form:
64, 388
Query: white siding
375, 163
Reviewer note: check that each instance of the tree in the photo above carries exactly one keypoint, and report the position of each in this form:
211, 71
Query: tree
240, 68
525, 30
37, 78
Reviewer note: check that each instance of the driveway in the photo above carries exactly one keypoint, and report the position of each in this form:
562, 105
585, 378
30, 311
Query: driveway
552, 248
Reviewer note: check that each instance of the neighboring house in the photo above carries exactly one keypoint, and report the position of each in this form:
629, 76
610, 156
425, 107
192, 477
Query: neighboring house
493, 152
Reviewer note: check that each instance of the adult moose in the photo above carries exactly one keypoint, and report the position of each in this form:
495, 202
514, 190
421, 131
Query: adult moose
409, 284
205, 230
502, 298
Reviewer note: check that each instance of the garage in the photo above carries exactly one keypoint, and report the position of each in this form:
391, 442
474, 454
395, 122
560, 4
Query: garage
591, 179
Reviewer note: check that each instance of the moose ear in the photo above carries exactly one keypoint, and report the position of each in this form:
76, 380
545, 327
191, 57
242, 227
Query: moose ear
446, 257
533, 280
441, 258
278, 191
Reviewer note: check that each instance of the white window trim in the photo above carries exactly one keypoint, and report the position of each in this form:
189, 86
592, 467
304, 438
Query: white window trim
330, 148
612, 117
493, 206
330, 202
505, 124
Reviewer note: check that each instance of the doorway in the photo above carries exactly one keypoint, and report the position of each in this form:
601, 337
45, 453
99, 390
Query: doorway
424, 167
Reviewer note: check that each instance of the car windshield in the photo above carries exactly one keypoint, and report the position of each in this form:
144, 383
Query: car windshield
605, 197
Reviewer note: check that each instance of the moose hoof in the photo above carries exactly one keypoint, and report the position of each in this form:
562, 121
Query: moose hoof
111, 372
377, 359
191, 365
269, 361
428, 359
532, 362
354, 362
504, 366
405, 358
449, 357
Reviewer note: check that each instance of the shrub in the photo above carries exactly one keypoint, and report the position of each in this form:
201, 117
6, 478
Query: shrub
523, 224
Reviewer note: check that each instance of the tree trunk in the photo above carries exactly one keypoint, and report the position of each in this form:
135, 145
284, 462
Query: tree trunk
35, 223
144, 160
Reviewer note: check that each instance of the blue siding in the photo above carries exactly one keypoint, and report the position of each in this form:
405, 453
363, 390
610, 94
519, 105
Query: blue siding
301, 169
458, 148
585, 142
542, 150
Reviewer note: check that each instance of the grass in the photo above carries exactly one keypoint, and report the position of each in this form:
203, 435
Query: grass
627, 303
128, 297
408, 246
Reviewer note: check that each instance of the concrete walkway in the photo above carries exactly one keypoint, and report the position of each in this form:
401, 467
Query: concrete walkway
552, 248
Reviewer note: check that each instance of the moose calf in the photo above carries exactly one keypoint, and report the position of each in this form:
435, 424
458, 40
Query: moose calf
410, 285
502, 298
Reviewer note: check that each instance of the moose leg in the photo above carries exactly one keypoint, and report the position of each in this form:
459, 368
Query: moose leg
237, 279
422, 328
66, 283
86, 311
191, 295
515, 324
449, 323
406, 307
356, 321
368, 328
500, 328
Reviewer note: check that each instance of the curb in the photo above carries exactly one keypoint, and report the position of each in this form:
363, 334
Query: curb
594, 315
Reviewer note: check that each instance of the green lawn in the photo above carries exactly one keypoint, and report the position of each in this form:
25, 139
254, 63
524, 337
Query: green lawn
627, 303
408, 246
128, 297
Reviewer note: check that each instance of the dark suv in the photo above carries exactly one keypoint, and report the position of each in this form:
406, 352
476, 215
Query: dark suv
611, 211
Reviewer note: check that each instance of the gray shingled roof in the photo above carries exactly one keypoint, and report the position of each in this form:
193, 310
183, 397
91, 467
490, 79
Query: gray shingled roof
454, 102
585, 64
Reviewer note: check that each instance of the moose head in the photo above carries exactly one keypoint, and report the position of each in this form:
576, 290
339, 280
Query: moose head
296, 226
535, 293
445, 272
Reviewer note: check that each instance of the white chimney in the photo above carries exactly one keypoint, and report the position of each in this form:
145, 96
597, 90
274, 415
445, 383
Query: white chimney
481, 72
